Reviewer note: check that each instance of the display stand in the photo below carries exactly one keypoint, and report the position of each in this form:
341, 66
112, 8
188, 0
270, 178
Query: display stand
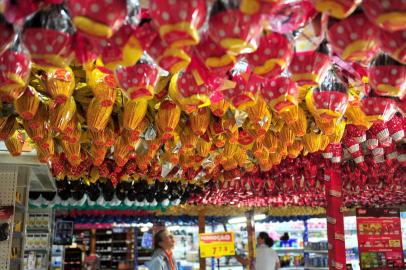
38, 239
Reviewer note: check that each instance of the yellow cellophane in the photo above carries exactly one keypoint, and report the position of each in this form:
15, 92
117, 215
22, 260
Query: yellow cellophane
300, 126
72, 152
122, 151
92, 27
60, 83
220, 107
265, 165
275, 158
134, 112
324, 142
103, 86
259, 150
356, 116
199, 121
295, 149
8, 126
338, 133
47, 147
230, 149
257, 112
98, 153
27, 105
97, 115
203, 147
37, 128
271, 141
11, 94
287, 135
334, 8
167, 118
188, 138
43, 154
61, 114
15, 143
327, 127
241, 156
312, 142
290, 114
74, 135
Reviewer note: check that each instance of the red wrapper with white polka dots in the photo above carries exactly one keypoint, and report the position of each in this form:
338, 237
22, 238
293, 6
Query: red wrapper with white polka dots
49, 48
281, 93
98, 18
387, 14
272, 56
14, 71
173, 60
138, 81
214, 57
235, 31
179, 20
329, 104
354, 39
6, 35
396, 129
308, 68
244, 93
378, 108
394, 44
388, 80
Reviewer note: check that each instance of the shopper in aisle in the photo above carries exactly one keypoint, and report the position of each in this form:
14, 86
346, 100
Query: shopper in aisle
162, 259
267, 258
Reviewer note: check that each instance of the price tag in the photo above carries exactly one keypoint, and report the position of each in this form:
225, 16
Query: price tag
216, 244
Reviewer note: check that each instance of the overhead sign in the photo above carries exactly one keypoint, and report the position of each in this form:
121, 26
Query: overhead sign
216, 244
379, 238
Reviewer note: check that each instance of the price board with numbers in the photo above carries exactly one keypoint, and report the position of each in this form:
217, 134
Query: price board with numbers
216, 244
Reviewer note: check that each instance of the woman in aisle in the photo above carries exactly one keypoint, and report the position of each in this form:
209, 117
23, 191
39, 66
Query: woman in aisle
267, 258
162, 259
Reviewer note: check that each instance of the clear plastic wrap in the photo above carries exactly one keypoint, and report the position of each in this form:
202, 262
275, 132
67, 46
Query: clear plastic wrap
394, 44
232, 29
272, 56
15, 67
387, 77
138, 81
282, 94
48, 35
19, 9
179, 21
354, 39
98, 18
339, 9
389, 15
289, 15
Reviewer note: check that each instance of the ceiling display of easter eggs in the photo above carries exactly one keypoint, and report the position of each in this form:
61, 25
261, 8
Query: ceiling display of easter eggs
217, 102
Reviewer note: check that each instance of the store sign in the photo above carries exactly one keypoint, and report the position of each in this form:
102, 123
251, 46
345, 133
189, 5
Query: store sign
379, 238
216, 244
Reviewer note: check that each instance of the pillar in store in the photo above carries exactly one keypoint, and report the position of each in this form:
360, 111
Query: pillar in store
251, 236
335, 219
202, 226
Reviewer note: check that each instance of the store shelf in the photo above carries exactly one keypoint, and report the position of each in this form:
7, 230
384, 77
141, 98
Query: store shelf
36, 249
144, 258
315, 268
37, 230
293, 268
19, 207
18, 235
315, 251
284, 250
